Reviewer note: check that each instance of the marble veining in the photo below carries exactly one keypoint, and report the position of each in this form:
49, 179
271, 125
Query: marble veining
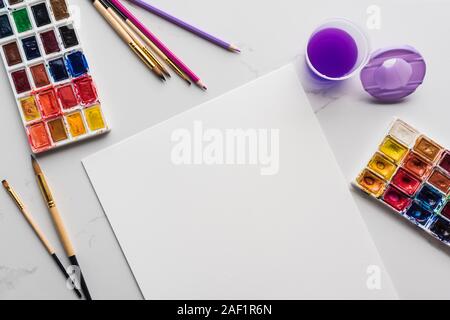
10, 276
86, 233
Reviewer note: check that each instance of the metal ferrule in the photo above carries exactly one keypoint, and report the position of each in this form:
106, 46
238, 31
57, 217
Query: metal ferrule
16, 198
177, 70
45, 191
152, 58
141, 54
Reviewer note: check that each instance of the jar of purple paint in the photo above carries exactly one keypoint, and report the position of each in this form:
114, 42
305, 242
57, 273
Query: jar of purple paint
337, 50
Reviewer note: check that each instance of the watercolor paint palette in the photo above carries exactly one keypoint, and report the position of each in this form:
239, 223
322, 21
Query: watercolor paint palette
410, 173
49, 73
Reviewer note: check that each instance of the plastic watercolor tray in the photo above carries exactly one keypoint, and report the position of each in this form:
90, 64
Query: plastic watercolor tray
49, 73
410, 173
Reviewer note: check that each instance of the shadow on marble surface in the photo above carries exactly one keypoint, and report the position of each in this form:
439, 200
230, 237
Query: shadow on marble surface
398, 219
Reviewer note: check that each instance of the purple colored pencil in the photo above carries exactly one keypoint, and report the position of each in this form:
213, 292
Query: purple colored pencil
185, 25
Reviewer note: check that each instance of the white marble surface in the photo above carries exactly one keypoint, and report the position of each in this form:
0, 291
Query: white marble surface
270, 36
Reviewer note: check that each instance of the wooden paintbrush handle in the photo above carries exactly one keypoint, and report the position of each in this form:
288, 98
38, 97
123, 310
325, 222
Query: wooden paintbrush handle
112, 22
63, 235
125, 36
38, 232
146, 40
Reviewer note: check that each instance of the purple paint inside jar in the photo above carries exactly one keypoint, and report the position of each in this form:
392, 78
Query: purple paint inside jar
332, 52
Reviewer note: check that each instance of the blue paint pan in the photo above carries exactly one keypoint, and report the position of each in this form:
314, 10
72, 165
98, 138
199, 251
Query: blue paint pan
77, 64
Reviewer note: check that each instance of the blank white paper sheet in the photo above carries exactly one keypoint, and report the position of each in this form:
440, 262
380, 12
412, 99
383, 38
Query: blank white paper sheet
238, 198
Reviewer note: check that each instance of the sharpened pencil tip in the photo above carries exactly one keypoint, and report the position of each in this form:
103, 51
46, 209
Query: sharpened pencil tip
201, 85
235, 49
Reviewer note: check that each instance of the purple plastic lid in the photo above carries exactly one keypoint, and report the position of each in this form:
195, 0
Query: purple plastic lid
393, 73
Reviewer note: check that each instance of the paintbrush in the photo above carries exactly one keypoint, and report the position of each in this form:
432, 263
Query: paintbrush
101, 7
147, 33
57, 220
121, 20
38, 232
149, 42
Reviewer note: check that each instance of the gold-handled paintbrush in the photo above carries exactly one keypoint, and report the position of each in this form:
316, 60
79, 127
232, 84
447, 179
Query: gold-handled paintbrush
38, 231
101, 7
58, 222
120, 19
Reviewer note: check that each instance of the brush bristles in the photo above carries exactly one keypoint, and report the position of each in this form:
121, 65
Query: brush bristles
5, 184
36, 167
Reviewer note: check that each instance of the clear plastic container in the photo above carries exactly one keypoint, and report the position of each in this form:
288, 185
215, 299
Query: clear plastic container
359, 37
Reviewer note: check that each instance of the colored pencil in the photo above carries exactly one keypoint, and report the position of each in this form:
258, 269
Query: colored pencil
186, 26
151, 45
37, 230
101, 7
183, 67
58, 222
121, 20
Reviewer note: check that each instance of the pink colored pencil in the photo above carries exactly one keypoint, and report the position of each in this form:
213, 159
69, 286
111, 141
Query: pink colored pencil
183, 67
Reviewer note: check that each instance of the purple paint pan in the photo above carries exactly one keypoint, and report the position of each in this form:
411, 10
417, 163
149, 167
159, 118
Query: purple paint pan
337, 50
393, 73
